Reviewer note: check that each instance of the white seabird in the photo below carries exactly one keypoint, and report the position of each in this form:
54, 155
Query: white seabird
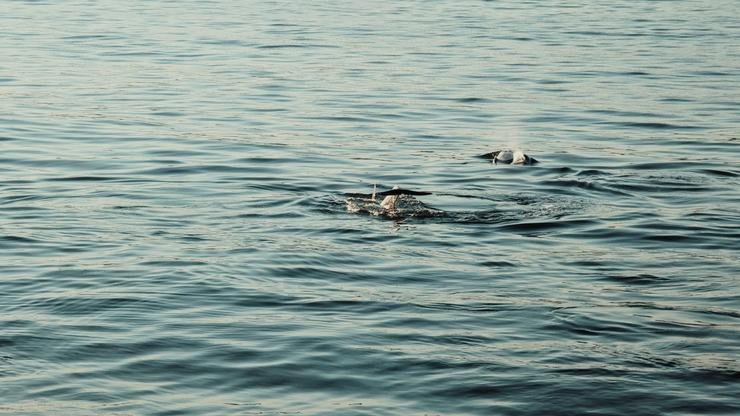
390, 197
390, 201
512, 157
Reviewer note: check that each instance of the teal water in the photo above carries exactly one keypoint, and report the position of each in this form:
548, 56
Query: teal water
175, 239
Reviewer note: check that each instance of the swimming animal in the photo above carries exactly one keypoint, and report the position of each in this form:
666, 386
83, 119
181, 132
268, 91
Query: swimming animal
512, 157
390, 197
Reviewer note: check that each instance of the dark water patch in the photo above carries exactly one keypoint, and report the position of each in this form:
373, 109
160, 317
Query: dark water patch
653, 225
639, 279
677, 100
320, 273
592, 326
496, 264
262, 300
355, 119
178, 154
557, 118
721, 173
718, 375
689, 330
83, 179
472, 100
628, 113
469, 196
682, 308
276, 184
129, 207
651, 125
94, 37
133, 54
22, 198
553, 81
712, 73
592, 172
18, 239
296, 46
184, 56
167, 113
473, 307
270, 160
635, 73
543, 170
273, 215
724, 221
708, 406
176, 263
594, 371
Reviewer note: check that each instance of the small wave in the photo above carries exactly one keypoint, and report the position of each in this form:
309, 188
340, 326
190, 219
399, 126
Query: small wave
652, 184
639, 279
658, 166
82, 179
565, 186
19, 239
592, 172
497, 264
724, 173
652, 125
295, 45
682, 308
472, 100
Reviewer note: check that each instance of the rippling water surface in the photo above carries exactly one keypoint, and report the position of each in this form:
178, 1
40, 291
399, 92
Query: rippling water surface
174, 232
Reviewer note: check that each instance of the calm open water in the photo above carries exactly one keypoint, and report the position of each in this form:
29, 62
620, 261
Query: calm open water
175, 240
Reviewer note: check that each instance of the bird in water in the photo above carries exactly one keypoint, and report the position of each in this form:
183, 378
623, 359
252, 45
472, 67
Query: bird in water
390, 198
512, 157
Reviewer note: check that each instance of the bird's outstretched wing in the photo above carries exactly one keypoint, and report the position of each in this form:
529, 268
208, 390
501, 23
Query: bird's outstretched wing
400, 191
358, 195
491, 155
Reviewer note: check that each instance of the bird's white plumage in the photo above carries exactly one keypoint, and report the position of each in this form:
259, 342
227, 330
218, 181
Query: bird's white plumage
389, 202
505, 156
518, 158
